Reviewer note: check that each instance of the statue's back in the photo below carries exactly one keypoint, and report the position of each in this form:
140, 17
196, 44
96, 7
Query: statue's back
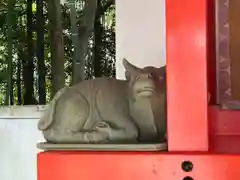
107, 97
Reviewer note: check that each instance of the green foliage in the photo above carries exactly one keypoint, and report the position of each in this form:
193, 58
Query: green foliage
107, 45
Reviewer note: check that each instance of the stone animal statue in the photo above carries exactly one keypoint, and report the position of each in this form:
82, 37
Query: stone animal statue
108, 110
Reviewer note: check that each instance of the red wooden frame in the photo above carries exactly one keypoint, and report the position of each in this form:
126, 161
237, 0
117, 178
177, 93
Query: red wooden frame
187, 75
203, 135
191, 73
135, 166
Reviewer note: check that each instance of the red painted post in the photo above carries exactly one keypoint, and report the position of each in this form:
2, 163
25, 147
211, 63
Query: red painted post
186, 23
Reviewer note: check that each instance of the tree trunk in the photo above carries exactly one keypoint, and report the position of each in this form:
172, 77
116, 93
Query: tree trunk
86, 30
29, 98
98, 30
56, 45
75, 40
19, 84
40, 53
21, 71
10, 21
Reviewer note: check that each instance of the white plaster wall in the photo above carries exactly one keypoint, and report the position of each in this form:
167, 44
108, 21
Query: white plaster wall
140, 33
18, 139
140, 38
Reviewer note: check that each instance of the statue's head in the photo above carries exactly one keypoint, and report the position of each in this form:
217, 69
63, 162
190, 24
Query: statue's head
159, 76
144, 82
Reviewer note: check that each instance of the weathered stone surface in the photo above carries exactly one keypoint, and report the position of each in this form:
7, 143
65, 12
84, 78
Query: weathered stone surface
108, 110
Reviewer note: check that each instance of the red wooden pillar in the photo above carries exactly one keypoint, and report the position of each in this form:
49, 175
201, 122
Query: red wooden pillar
186, 22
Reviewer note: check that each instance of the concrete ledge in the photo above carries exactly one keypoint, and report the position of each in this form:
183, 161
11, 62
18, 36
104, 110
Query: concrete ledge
22, 112
102, 147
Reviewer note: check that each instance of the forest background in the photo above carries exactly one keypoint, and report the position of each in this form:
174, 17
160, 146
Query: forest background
46, 45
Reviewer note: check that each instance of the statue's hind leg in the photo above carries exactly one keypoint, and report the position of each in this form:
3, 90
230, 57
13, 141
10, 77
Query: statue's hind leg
81, 137
74, 111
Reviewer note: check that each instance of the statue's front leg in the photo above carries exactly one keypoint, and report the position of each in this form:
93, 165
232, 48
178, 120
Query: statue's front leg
120, 134
99, 133
95, 136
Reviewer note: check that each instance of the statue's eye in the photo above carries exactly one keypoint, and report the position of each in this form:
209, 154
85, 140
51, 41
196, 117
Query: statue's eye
137, 78
150, 76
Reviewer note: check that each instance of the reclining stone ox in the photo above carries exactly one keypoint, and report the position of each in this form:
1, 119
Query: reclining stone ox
109, 110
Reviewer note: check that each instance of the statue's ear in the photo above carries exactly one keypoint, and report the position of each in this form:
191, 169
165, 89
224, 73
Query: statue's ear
127, 76
129, 68
162, 72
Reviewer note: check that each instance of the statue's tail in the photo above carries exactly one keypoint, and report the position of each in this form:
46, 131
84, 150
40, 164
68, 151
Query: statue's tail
47, 119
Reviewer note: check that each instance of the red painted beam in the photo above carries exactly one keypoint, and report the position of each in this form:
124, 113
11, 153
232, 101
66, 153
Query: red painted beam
186, 23
135, 166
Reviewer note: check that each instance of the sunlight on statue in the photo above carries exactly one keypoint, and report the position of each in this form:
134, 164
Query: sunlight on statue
109, 110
